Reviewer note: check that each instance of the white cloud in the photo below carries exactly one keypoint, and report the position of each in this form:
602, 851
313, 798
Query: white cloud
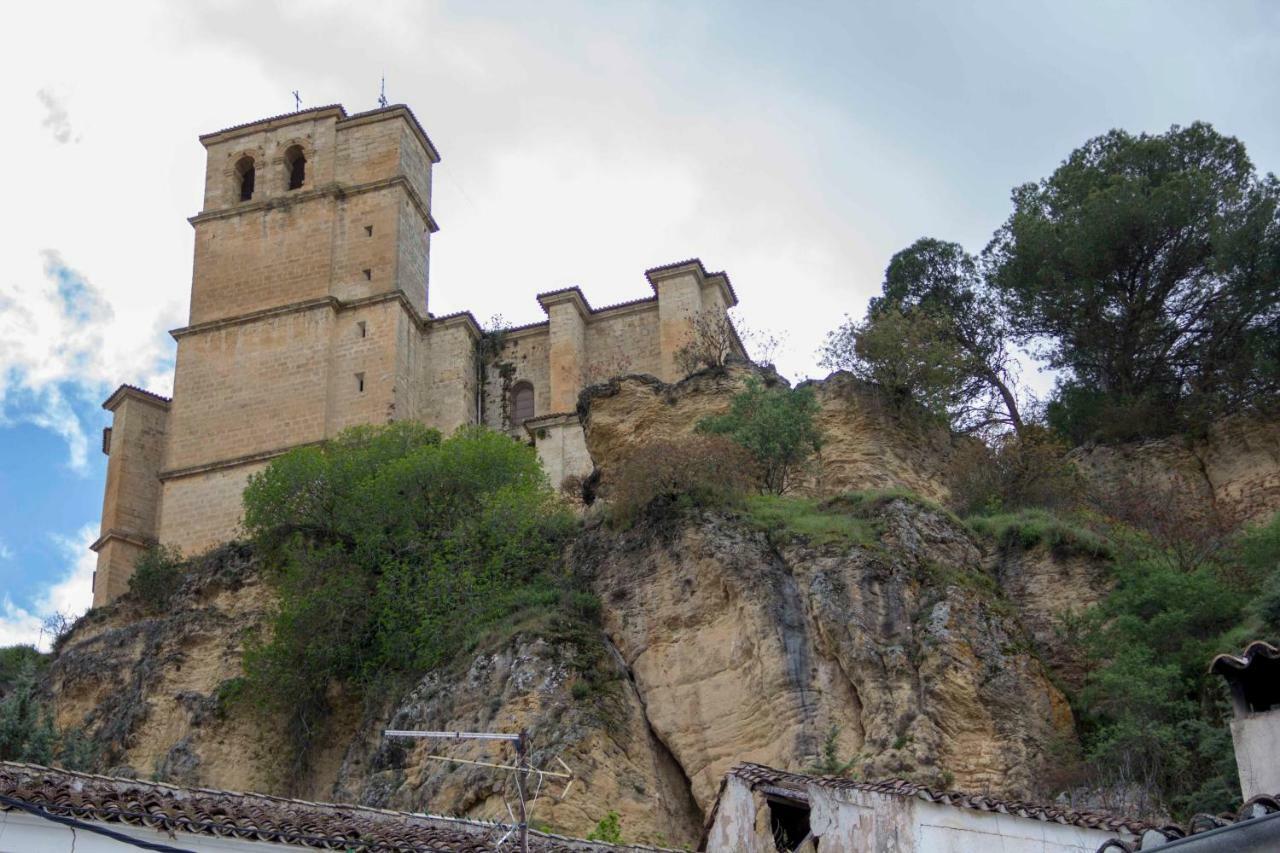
70, 595
6, 553
57, 345
56, 117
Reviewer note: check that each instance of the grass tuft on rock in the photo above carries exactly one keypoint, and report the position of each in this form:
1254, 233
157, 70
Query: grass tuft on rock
1030, 528
819, 522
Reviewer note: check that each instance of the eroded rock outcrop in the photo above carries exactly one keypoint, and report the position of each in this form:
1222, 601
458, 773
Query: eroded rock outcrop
867, 445
1231, 475
747, 648
156, 692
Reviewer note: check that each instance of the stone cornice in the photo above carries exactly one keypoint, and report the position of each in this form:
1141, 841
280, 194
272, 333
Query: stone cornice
133, 392
693, 267
332, 190
132, 537
234, 462
337, 111
394, 111
572, 295
331, 302
272, 122
551, 419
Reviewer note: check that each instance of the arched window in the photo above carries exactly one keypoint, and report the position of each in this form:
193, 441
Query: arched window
521, 403
295, 165
244, 177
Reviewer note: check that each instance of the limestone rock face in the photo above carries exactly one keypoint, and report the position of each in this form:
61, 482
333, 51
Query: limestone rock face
866, 445
747, 650
152, 692
921, 647
1047, 587
146, 686
526, 684
1232, 474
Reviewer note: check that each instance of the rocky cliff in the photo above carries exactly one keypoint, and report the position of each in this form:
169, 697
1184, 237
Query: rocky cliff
720, 642
1230, 475
867, 445
913, 646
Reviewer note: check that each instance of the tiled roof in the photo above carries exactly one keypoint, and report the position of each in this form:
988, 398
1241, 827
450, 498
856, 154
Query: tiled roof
342, 117
294, 114
758, 776
701, 268
1264, 654
1155, 837
126, 387
257, 817
148, 393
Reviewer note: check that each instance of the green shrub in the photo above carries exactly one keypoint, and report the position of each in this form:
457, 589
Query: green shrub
1015, 472
829, 763
156, 577
14, 660
1029, 528
392, 551
609, 829
702, 469
1153, 721
1258, 555
27, 731
778, 426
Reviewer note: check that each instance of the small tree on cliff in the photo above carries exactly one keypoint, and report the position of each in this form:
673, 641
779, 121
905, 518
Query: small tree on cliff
777, 426
935, 336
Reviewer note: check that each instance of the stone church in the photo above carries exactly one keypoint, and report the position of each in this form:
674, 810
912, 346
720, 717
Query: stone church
309, 314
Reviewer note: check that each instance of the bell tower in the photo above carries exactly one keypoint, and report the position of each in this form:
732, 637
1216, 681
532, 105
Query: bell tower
308, 306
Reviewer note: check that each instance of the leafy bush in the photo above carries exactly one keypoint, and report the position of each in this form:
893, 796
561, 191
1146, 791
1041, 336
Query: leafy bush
829, 763
1258, 556
27, 731
157, 575
706, 470
1154, 722
1017, 471
1031, 527
778, 426
608, 829
391, 550
13, 662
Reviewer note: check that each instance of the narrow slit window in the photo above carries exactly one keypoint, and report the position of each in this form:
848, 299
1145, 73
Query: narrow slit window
359, 383
368, 275
368, 230
362, 329
295, 164
245, 173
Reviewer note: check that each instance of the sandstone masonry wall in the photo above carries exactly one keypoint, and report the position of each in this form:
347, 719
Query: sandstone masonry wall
309, 315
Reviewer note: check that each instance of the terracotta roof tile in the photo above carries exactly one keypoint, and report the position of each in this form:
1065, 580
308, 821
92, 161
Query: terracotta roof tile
258, 817
1264, 653
1136, 834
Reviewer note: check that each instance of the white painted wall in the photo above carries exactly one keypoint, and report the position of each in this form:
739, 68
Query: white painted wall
852, 820
1257, 742
734, 828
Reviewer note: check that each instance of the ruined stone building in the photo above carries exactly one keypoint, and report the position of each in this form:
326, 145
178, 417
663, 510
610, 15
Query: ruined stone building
310, 314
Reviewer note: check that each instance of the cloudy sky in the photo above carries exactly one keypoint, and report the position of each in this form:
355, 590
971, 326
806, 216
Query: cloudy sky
796, 145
